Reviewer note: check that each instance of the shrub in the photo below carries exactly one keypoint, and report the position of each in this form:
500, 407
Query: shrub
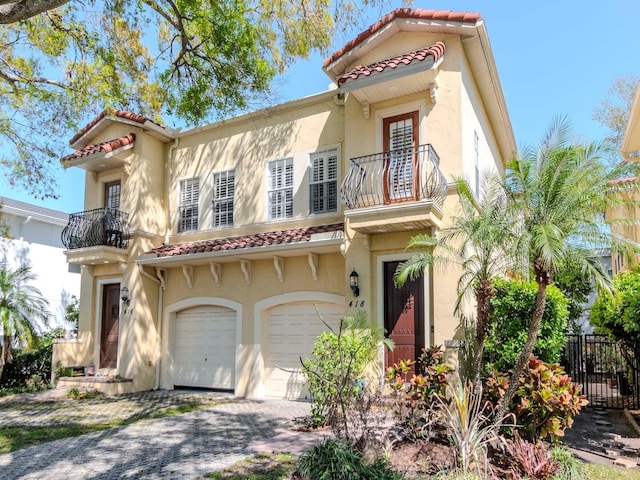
615, 314
30, 369
569, 467
512, 309
341, 395
546, 400
337, 460
415, 397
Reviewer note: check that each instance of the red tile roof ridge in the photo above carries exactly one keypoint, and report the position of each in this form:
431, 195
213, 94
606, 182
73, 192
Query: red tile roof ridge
436, 51
408, 13
111, 112
106, 147
244, 241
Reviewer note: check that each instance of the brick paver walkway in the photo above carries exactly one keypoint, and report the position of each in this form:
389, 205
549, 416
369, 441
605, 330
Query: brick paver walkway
178, 447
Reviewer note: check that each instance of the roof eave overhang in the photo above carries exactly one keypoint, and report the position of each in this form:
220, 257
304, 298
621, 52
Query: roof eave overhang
99, 161
320, 245
631, 141
380, 86
350, 58
153, 129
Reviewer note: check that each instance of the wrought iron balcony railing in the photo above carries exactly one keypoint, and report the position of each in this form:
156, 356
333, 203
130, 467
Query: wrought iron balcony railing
403, 175
101, 226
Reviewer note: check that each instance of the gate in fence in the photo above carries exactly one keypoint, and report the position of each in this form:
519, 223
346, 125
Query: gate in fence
607, 371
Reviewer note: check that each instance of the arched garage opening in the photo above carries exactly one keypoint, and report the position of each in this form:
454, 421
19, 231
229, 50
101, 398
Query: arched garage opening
289, 325
202, 344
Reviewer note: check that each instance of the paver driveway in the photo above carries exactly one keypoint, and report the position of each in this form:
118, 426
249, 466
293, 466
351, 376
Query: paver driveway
178, 447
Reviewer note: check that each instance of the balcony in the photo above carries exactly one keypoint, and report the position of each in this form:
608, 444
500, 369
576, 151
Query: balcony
101, 234
394, 191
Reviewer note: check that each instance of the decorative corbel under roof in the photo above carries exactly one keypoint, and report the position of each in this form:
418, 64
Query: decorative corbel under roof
245, 266
187, 271
278, 264
216, 272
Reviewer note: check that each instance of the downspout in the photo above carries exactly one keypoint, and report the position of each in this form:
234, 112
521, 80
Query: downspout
159, 280
168, 176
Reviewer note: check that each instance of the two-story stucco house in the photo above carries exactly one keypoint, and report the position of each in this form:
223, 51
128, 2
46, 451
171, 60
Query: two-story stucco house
231, 239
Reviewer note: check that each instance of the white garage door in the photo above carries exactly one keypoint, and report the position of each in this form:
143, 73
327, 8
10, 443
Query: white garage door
205, 348
291, 331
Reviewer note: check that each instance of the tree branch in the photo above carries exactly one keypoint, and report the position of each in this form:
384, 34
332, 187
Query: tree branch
12, 11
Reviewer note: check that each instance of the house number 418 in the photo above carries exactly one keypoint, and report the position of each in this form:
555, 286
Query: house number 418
356, 304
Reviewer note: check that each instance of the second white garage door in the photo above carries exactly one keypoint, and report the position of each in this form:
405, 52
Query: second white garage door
291, 331
205, 348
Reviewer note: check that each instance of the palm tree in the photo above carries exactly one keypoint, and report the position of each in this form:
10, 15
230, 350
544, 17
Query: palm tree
479, 240
21, 306
560, 192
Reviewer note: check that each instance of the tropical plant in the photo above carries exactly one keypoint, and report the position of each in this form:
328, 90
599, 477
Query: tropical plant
512, 307
615, 313
546, 399
337, 460
561, 191
337, 373
479, 240
22, 306
533, 459
415, 406
471, 428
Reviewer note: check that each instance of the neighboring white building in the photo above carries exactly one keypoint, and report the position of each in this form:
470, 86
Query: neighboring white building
34, 239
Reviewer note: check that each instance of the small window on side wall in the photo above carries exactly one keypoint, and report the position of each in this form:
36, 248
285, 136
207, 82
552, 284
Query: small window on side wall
323, 182
188, 210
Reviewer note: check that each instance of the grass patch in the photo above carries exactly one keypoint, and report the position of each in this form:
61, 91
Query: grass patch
15, 438
264, 466
605, 472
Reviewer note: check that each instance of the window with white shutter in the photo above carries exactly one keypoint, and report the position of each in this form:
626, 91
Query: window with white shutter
223, 197
323, 182
189, 197
280, 189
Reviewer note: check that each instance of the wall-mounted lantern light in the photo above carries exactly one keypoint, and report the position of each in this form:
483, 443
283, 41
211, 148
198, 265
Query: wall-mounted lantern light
353, 282
124, 296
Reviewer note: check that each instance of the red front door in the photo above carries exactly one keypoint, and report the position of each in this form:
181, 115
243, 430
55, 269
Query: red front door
110, 326
403, 317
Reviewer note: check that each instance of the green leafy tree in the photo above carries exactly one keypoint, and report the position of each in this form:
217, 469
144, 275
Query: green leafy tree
561, 191
613, 112
21, 307
72, 314
576, 285
479, 240
512, 308
62, 62
616, 313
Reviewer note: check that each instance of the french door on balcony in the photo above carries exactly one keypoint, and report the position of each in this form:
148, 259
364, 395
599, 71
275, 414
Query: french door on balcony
400, 142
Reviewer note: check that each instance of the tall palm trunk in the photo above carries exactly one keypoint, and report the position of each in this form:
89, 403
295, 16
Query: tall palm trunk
484, 293
543, 279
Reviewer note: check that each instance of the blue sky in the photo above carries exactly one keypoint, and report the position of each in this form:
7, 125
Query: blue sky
554, 58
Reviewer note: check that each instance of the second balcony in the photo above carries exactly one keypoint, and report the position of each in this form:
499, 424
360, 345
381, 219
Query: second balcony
393, 191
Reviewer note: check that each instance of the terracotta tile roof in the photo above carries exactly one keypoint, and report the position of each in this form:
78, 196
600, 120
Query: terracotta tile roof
134, 117
244, 241
436, 51
408, 13
104, 147
623, 180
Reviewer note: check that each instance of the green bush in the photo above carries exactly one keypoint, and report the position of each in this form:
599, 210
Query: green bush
512, 309
616, 314
336, 372
29, 370
546, 400
336, 460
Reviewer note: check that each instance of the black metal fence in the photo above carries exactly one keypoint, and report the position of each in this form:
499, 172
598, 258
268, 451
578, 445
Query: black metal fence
101, 226
607, 371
